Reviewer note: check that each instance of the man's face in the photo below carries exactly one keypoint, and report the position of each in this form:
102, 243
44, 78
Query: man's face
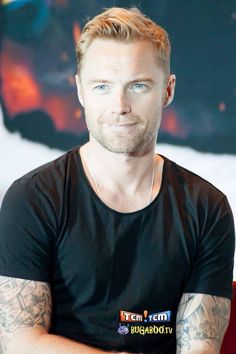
122, 89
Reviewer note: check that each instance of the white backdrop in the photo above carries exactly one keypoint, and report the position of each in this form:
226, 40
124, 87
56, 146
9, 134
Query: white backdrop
18, 156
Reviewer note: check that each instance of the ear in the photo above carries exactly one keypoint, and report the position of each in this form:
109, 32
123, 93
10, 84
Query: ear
169, 91
79, 89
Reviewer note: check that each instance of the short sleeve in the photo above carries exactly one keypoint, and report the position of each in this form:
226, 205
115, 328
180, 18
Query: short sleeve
212, 271
27, 229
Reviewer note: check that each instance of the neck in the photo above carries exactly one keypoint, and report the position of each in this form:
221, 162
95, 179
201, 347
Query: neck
124, 182
124, 173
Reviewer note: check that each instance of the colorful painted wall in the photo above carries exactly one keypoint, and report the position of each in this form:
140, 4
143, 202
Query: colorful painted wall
37, 68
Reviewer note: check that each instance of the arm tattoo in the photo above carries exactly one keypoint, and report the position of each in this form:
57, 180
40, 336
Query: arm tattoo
3, 346
201, 322
23, 304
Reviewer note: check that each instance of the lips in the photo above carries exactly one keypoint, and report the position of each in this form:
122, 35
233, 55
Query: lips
123, 124
121, 127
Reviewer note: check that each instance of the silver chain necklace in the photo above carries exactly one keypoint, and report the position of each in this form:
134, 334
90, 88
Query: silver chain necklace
95, 179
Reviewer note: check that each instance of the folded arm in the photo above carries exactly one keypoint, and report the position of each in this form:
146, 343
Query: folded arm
201, 323
25, 314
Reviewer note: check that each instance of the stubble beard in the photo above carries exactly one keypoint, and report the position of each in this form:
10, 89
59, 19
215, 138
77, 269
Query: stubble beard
125, 144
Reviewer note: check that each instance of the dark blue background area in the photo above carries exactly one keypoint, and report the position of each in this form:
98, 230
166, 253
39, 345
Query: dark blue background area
203, 38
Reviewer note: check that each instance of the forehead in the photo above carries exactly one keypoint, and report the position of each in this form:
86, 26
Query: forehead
106, 56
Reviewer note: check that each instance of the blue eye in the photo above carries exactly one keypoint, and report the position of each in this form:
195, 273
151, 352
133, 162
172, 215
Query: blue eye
101, 87
139, 87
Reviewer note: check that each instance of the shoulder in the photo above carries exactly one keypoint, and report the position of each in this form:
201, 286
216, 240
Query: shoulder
49, 176
196, 196
44, 186
57, 167
191, 184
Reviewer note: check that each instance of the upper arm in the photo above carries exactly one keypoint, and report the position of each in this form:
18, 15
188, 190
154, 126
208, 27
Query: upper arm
201, 323
24, 304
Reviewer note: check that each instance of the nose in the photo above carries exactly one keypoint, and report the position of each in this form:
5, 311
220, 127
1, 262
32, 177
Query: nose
120, 103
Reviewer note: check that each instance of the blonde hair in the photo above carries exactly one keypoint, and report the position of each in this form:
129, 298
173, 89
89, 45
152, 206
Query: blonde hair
125, 25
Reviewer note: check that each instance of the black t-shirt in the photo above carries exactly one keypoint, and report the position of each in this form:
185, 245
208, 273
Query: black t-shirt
54, 228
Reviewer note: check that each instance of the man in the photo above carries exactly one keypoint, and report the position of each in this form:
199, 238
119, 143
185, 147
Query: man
112, 247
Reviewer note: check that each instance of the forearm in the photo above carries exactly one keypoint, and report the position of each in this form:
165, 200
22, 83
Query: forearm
203, 351
25, 321
198, 347
53, 344
39, 342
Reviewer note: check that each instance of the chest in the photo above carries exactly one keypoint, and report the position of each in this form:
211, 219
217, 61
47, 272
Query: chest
124, 258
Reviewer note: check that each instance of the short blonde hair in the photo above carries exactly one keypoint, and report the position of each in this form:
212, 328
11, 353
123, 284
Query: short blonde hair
125, 25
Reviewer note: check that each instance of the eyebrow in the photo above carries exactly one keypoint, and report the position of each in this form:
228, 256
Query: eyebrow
141, 79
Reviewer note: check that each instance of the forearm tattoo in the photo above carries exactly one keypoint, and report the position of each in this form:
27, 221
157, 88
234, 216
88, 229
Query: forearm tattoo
201, 322
23, 304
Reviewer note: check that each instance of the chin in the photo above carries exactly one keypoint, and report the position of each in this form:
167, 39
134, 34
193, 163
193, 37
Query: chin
125, 145
124, 148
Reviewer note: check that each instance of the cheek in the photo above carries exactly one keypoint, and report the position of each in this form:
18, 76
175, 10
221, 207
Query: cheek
152, 109
93, 102
151, 101
94, 109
